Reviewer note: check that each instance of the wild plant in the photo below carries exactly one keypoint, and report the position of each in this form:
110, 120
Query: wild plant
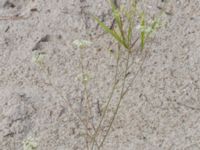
126, 21
129, 29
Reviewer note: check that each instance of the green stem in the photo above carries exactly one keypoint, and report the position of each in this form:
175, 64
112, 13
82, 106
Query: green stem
88, 105
120, 100
70, 105
109, 100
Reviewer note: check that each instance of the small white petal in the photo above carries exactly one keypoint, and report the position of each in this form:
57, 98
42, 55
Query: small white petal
82, 43
138, 27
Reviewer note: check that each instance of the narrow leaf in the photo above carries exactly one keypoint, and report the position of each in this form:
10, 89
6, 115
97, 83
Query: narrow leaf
130, 30
142, 36
110, 31
116, 14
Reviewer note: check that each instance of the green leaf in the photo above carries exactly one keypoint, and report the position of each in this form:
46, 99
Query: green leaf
142, 36
130, 30
111, 32
116, 14
154, 26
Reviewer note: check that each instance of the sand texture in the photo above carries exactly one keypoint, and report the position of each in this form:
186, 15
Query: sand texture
161, 111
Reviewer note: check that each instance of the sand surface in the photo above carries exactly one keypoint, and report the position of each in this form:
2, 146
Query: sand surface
160, 112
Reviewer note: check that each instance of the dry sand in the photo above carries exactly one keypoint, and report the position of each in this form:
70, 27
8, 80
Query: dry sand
160, 112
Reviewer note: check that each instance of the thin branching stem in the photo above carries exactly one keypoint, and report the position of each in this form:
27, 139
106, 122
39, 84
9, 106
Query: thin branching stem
88, 133
123, 92
70, 105
86, 98
87, 144
85, 90
109, 98
120, 100
136, 74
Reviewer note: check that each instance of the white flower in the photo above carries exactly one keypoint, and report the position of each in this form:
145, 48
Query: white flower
145, 29
38, 58
30, 144
82, 43
84, 78
138, 27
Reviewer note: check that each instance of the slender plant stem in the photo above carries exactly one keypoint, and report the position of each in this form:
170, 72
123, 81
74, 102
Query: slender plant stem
85, 90
109, 98
87, 120
136, 74
70, 105
88, 133
121, 97
86, 98
120, 100
87, 144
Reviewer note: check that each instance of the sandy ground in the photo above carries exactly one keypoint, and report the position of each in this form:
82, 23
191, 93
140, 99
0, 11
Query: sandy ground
162, 110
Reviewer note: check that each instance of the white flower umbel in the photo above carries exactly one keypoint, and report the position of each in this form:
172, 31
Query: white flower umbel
29, 144
82, 43
38, 58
